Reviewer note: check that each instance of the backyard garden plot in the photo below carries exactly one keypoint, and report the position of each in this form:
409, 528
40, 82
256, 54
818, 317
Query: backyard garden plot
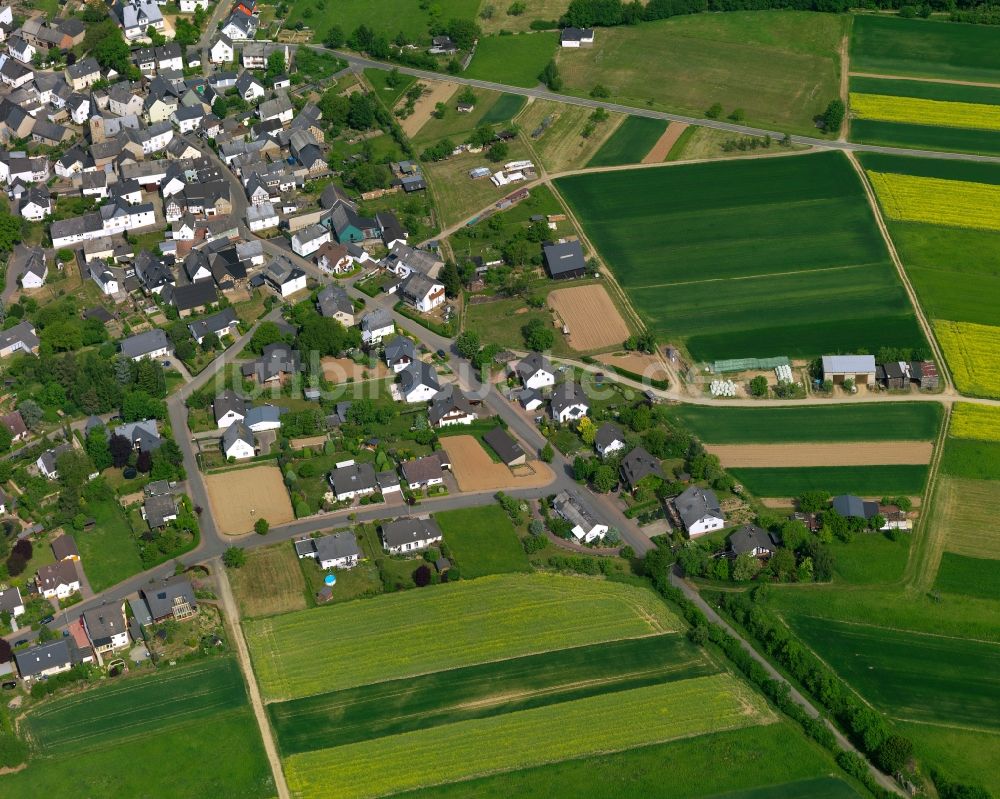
912, 676
242, 496
482, 691
761, 257
925, 48
608, 722
935, 201
815, 454
867, 481
269, 582
482, 541
593, 319
960, 574
973, 353
491, 618
780, 67
909, 421
629, 143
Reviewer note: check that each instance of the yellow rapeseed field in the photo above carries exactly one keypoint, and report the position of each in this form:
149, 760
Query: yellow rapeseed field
979, 422
973, 352
890, 108
958, 203
608, 722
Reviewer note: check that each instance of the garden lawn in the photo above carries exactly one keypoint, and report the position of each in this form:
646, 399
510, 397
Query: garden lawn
614, 721
269, 582
724, 240
870, 559
925, 48
454, 125
780, 67
482, 541
492, 618
793, 766
912, 676
909, 421
514, 60
629, 144
108, 553
867, 481
389, 94
490, 689
959, 574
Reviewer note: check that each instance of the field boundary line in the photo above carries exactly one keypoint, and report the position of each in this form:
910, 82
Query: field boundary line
231, 610
845, 77
899, 629
925, 555
950, 81
756, 277
918, 309
966, 728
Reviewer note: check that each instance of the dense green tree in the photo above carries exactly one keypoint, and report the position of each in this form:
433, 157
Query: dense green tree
467, 344
334, 37
360, 112
451, 279
234, 557
276, 64
538, 336
464, 32
550, 77
833, 116
98, 449
605, 478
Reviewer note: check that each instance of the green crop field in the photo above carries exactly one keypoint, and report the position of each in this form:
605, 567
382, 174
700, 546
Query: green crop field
925, 49
965, 510
959, 574
946, 169
924, 137
189, 726
514, 60
794, 766
976, 460
108, 713
912, 676
398, 635
504, 109
927, 90
868, 481
780, 67
629, 144
611, 721
908, 421
968, 756
723, 240
481, 691
483, 541
387, 17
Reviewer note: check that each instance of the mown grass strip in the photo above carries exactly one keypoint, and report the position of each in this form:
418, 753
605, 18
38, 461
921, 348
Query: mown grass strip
610, 722
489, 689
443, 627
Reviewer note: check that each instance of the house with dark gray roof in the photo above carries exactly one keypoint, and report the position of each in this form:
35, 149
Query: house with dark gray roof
194, 297
753, 540
238, 442
699, 511
106, 628
151, 344
353, 480
450, 406
228, 407
609, 439
568, 402
173, 598
159, 509
410, 534
535, 371
278, 362
19, 338
222, 323
585, 527
565, 260
44, 660
336, 551
425, 472
334, 303
418, 382
850, 506
638, 465
400, 352
504, 445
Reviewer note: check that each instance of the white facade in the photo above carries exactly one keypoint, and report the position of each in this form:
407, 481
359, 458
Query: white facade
376, 335
62, 591
228, 418
420, 393
30, 280
293, 284
261, 216
570, 413
306, 245
540, 379
240, 450
706, 524
190, 6
35, 212
221, 53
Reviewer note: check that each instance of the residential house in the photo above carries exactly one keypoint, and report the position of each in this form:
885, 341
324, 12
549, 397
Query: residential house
279, 108
263, 417
256, 54
36, 203
576, 37
64, 548
143, 434
193, 298
418, 382
568, 403
152, 344
850, 506
58, 580
221, 51
410, 534
105, 279
249, 88
240, 27
564, 260
637, 466
349, 226
336, 551
450, 406
403, 260
238, 442
261, 216
278, 362
334, 303
585, 527
46, 462
44, 660
859, 368
425, 472
536, 372
284, 277
159, 507
352, 480
11, 602
83, 74
309, 239
421, 292
754, 541
506, 448
334, 258
442, 45
375, 326
228, 407
223, 323
15, 424
19, 338
136, 16
106, 628
30, 263
400, 352
173, 599
699, 511
609, 439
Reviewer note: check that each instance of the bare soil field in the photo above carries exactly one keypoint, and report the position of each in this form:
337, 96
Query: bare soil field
642, 364
340, 370
270, 582
440, 92
475, 470
308, 441
240, 497
592, 318
662, 147
884, 453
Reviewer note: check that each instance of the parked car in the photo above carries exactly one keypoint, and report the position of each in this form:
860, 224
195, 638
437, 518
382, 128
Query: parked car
10, 685
47, 619
22, 642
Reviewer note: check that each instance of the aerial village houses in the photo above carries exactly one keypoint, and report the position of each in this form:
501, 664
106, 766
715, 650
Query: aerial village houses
409, 535
585, 527
699, 511
337, 551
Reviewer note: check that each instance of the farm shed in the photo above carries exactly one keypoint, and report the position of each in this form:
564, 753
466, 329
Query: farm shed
507, 448
924, 374
565, 260
859, 368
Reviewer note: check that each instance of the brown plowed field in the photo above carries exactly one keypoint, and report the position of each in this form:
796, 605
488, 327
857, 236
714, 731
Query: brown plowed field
593, 320
884, 453
241, 497
440, 92
475, 470
638, 362
662, 147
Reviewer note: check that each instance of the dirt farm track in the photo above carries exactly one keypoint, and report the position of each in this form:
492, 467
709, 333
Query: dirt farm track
475, 470
240, 497
884, 453
593, 320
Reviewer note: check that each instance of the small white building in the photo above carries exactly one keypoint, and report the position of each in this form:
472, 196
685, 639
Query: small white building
375, 326
308, 240
576, 37
221, 51
609, 439
261, 216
